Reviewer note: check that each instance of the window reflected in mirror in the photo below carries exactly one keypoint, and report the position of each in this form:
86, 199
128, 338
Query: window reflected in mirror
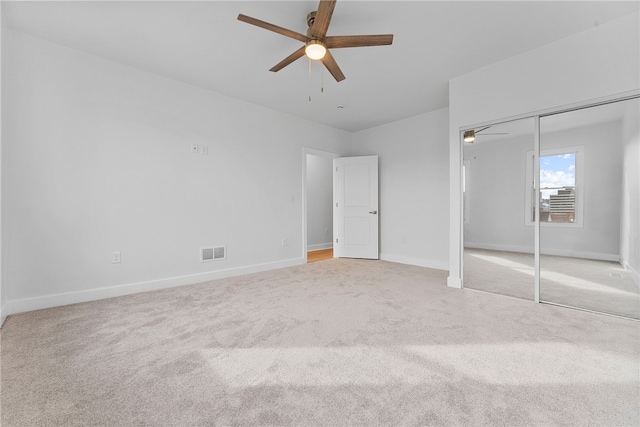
588, 170
589, 233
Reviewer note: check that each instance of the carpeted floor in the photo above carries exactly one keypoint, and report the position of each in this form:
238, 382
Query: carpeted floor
337, 342
601, 286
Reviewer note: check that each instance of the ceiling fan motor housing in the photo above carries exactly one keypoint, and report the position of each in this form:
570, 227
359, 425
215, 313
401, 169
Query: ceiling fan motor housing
311, 17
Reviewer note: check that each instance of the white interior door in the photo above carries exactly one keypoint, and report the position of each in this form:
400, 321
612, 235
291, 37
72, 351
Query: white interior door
356, 207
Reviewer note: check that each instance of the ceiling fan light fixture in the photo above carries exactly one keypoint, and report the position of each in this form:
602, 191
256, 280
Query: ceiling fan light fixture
315, 49
469, 136
317, 45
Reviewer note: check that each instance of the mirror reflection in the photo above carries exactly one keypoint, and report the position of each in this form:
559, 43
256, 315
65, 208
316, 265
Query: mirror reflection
590, 215
498, 242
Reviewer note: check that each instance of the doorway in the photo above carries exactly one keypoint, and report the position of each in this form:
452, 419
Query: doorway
318, 204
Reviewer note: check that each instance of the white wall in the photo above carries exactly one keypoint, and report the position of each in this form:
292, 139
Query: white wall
630, 225
319, 202
597, 63
497, 196
96, 159
496, 175
3, 311
599, 236
413, 187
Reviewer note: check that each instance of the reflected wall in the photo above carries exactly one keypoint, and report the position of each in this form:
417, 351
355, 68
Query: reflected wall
498, 244
589, 181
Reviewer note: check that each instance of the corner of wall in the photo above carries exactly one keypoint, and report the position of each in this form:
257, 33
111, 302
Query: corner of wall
454, 282
3, 310
3, 315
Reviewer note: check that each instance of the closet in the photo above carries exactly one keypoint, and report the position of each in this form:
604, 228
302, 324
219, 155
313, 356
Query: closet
551, 208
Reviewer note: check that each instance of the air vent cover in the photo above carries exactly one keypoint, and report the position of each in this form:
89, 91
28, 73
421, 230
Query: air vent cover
213, 254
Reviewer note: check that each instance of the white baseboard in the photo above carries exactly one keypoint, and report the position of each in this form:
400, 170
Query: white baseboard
319, 247
634, 274
56, 300
438, 265
454, 282
3, 314
554, 252
580, 254
494, 247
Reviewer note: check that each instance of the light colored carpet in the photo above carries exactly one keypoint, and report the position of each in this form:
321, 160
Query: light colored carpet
601, 286
337, 342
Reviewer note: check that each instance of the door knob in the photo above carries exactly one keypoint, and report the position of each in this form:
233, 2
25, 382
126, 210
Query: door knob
373, 212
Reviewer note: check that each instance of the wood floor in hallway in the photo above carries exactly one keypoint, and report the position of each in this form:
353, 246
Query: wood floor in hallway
320, 255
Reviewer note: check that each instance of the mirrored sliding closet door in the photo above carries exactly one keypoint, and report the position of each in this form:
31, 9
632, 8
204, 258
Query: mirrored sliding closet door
589, 208
498, 242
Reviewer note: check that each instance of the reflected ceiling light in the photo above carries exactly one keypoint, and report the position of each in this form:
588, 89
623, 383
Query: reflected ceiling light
469, 136
315, 49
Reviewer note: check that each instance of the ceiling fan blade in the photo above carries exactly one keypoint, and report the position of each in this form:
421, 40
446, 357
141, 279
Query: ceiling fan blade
334, 42
331, 64
323, 18
288, 60
274, 28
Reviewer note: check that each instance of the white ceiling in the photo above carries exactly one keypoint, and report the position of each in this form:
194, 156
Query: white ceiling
201, 43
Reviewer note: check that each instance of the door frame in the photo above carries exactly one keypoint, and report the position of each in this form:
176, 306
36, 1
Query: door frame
326, 154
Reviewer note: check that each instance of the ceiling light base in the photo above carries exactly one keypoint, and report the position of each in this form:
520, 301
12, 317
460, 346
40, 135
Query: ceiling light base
315, 49
469, 136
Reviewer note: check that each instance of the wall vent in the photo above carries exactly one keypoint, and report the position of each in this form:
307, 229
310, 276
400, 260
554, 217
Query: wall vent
213, 254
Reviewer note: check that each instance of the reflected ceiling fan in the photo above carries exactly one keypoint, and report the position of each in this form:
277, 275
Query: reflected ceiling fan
316, 42
470, 135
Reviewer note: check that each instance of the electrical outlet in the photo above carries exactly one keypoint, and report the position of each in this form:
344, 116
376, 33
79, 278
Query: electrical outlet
285, 242
115, 257
194, 148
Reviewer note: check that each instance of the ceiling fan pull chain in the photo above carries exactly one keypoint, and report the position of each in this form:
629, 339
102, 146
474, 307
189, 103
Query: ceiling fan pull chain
321, 80
309, 80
